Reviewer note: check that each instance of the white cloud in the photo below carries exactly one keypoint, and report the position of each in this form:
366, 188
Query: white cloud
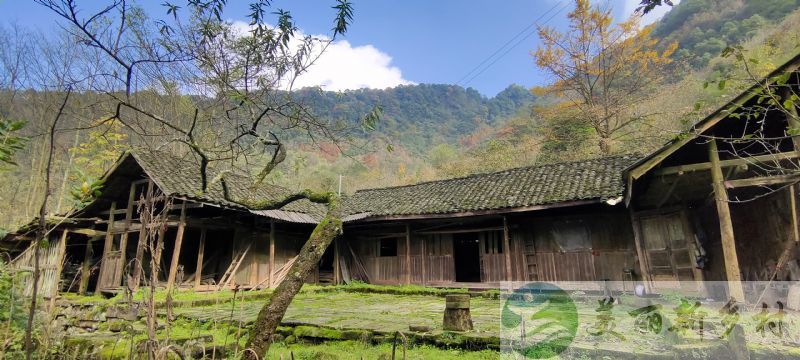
657, 13
346, 67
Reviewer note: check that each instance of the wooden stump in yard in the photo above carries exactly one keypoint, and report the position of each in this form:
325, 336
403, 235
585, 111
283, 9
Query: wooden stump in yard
456, 313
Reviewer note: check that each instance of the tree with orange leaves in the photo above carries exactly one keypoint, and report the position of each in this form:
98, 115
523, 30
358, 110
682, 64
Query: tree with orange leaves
603, 71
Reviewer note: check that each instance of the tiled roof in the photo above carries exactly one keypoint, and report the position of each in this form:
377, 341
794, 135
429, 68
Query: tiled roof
596, 179
181, 177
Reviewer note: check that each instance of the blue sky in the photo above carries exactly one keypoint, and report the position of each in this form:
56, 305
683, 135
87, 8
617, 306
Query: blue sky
401, 42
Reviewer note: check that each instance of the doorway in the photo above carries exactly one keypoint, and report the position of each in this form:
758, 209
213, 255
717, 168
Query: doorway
467, 257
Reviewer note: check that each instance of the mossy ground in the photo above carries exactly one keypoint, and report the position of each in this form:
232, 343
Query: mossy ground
345, 313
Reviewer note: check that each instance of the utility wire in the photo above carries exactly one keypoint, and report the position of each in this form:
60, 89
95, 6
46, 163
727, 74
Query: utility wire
465, 83
507, 42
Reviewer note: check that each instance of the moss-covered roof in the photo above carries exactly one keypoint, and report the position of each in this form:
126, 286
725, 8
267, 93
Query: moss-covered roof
596, 179
181, 177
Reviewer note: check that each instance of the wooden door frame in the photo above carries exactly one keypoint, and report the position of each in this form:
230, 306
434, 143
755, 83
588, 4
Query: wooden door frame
682, 212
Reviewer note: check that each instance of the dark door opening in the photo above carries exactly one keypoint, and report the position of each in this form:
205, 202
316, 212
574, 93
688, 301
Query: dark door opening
326, 267
467, 257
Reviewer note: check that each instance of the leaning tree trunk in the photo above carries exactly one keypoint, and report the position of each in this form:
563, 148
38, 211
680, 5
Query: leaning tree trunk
272, 313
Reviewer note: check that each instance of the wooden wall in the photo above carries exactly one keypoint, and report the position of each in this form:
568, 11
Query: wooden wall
762, 230
584, 247
607, 249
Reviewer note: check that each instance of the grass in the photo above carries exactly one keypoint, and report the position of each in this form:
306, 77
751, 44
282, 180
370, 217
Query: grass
384, 309
359, 350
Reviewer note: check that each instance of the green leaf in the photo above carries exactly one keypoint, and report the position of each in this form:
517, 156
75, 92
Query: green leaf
721, 85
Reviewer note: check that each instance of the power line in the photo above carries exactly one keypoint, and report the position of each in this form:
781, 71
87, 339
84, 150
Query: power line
513, 46
507, 42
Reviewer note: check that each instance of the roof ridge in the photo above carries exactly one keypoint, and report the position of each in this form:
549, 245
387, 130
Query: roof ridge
478, 175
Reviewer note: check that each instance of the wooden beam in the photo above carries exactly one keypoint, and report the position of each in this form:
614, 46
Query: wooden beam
762, 181
62, 250
481, 212
140, 245
668, 194
408, 254
507, 248
725, 226
107, 246
176, 252
793, 205
271, 253
701, 127
682, 169
198, 273
88, 232
644, 266
461, 231
123, 241
86, 268
423, 259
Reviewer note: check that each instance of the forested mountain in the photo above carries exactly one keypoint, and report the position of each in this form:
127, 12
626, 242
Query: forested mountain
420, 115
703, 28
431, 131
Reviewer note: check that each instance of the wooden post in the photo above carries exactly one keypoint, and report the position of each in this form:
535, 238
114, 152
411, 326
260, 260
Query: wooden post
336, 270
107, 246
725, 226
140, 244
198, 273
793, 205
86, 268
408, 254
176, 253
123, 241
507, 249
644, 266
254, 260
62, 249
271, 252
423, 259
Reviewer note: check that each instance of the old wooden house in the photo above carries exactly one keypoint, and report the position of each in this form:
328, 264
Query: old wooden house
551, 222
673, 215
719, 203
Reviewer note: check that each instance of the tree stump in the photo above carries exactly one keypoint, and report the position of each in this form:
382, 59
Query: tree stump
456, 313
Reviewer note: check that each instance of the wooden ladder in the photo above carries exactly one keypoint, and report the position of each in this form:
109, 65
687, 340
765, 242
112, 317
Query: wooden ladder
230, 273
530, 259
